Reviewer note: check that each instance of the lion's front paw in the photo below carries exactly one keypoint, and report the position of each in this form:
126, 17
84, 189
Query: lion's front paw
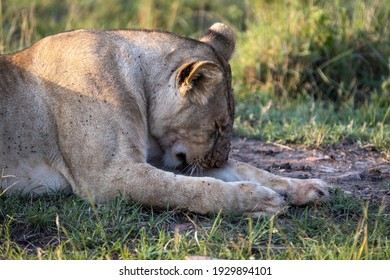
261, 201
310, 191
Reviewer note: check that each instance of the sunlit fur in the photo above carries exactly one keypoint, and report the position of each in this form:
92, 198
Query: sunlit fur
142, 113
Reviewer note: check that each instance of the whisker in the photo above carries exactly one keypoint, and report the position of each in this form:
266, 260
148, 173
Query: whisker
200, 169
186, 170
166, 166
193, 169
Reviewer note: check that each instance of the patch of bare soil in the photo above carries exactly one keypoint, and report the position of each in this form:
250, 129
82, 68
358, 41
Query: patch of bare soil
360, 172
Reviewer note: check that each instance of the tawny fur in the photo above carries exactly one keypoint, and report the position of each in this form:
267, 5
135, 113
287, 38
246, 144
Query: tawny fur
102, 113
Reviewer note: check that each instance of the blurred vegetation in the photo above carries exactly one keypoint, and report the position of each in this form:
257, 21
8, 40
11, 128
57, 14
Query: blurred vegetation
328, 58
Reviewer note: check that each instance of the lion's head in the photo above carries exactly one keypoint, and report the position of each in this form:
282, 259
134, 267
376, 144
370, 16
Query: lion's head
194, 127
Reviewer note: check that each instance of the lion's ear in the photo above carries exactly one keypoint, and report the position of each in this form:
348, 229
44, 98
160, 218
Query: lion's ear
222, 38
196, 79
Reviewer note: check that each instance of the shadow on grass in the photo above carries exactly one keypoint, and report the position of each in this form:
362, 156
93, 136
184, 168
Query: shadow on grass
65, 227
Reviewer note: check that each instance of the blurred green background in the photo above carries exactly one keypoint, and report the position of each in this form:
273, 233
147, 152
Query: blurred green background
306, 72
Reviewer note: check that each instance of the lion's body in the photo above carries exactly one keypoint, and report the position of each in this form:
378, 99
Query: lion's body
89, 111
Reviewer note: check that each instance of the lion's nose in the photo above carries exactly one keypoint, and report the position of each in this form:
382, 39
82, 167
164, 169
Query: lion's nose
182, 158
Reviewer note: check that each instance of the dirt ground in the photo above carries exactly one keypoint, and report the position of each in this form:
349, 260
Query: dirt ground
358, 171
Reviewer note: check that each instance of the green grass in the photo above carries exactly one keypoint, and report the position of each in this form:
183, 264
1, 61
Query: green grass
314, 123
332, 50
315, 73
64, 227
308, 72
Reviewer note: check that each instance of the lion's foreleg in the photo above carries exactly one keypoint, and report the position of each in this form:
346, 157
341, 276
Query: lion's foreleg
298, 191
151, 186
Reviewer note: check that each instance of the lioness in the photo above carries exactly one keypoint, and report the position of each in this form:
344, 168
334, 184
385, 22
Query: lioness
133, 112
